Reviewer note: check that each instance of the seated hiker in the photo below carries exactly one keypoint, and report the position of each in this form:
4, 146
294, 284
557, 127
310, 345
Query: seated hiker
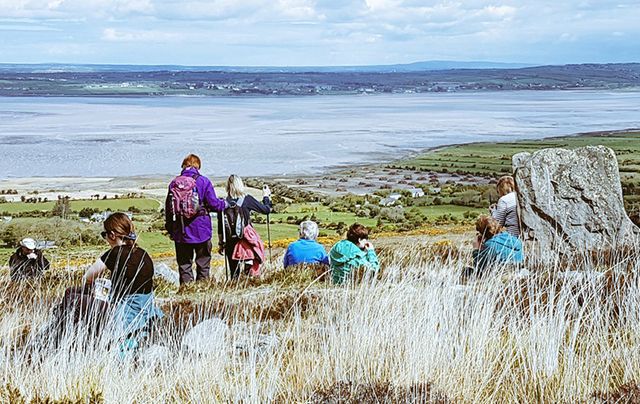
130, 299
238, 240
306, 250
28, 261
493, 246
353, 253
506, 210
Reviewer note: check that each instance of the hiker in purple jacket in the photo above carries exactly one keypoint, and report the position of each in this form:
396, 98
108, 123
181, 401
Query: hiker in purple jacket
191, 231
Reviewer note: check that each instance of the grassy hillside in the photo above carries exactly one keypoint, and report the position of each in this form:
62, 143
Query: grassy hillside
495, 158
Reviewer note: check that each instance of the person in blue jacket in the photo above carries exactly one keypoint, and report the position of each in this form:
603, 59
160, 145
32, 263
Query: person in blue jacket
306, 250
493, 246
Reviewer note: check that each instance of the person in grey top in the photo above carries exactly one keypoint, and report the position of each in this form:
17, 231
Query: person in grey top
506, 210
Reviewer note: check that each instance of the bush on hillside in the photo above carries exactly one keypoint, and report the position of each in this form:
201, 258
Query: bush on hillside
63, 232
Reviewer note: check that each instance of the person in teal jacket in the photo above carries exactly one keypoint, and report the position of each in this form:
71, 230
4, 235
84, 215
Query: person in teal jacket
493, 246
353, 253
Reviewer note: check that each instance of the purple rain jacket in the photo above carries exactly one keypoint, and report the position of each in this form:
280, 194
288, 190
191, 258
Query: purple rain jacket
196, 230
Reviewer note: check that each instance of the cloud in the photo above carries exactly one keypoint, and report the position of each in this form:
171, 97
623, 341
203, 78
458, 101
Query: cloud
327, 31
114, 35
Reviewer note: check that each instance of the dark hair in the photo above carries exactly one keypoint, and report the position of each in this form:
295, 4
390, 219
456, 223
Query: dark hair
357, 232
119, 224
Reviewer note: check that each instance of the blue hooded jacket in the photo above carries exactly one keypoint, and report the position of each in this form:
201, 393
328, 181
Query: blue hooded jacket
501, 248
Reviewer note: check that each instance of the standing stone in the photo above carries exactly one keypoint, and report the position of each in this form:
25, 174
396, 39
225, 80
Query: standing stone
573, 197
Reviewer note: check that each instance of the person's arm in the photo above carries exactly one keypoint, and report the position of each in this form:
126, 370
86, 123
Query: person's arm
500, 212
220, 228
481, 258
325, 260
286, 262
14, 266
44, 262
168, 213
210, 199
14, 261
372, 260
252, 204
94, 271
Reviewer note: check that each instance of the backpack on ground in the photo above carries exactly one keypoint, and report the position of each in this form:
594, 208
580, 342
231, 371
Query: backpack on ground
234, 220
185, 200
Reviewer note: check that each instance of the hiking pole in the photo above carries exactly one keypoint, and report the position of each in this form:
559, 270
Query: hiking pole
224, 247
269, 238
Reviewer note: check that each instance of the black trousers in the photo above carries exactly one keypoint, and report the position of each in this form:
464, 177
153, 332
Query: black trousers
185, 254
235, 267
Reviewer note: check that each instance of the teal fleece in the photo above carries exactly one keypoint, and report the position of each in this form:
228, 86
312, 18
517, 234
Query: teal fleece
345, 256
501, 248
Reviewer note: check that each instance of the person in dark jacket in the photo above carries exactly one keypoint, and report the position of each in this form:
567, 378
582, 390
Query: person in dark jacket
493, 246
227, 237
192, 237
27, 262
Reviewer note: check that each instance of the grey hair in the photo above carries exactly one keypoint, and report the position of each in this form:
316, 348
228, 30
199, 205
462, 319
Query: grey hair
309, 230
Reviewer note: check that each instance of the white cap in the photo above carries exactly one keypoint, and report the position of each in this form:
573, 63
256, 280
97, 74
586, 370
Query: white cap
28, 243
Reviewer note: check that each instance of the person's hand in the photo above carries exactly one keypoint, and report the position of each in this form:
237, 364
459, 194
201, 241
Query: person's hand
366, 245
477, 242
266, 192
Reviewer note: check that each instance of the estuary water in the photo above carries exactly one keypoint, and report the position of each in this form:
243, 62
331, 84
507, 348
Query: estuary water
107, 137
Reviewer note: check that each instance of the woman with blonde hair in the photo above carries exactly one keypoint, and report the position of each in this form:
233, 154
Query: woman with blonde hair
238, 241
505, 212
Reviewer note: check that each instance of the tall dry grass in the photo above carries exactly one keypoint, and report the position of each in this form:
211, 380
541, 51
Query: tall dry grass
414, 333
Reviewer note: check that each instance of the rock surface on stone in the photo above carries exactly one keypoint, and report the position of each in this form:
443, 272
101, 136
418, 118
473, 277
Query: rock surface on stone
573, 197
208, 337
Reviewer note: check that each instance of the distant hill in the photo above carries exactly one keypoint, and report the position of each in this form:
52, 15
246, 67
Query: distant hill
423, 77
409, 67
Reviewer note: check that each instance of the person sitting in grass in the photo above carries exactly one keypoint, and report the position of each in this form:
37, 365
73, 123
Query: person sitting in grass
130, 299
27, 262
353, 253
306, 250
506, 210
493, 246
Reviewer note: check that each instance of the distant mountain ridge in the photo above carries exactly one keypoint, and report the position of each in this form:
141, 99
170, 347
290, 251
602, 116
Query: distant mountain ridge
132, 81
408, 67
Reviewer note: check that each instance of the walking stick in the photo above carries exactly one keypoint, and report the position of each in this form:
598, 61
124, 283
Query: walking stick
269, 238
224, 247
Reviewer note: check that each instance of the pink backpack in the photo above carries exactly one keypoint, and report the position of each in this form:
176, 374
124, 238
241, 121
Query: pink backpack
184, 197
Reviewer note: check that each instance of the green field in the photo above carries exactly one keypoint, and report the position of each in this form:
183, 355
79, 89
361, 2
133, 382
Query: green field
495, 158
113, 205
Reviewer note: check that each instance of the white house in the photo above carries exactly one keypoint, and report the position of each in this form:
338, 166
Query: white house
390, 200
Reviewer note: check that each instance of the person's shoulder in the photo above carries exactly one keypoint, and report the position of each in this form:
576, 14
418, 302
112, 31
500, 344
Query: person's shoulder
511, 197
344, 245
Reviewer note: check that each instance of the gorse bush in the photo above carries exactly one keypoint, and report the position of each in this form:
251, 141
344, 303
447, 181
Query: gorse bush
414, 333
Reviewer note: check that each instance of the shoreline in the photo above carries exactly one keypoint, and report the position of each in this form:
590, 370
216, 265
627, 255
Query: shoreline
79, 187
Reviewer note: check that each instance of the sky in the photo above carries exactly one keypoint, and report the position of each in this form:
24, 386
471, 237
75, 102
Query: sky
317, 32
